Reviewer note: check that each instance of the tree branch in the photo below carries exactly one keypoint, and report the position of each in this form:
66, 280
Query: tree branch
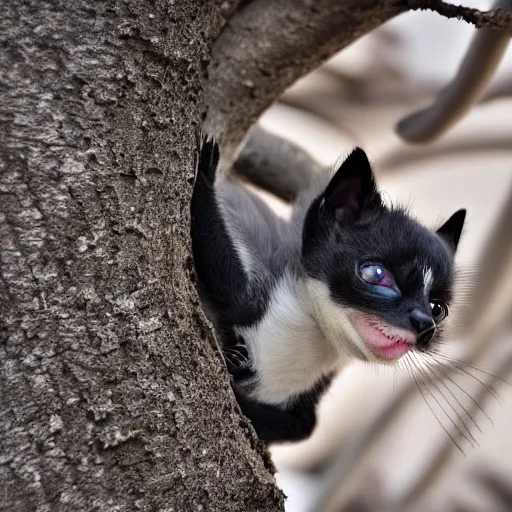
475, 72
275, 165
497, 18
399, 160
268, 45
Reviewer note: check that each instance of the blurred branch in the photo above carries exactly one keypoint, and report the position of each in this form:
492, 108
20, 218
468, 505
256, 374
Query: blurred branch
475, 72
497, 485
498, 90
439, 463
496, 19
336, 485
399, 159
275, 165
493, 298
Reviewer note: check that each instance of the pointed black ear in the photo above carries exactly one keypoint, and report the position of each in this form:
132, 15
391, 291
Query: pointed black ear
451, 230
352, 188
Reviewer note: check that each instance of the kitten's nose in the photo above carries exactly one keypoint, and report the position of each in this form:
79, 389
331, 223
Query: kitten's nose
423, 324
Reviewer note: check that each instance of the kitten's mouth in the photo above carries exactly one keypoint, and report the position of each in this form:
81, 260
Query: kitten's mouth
385, 340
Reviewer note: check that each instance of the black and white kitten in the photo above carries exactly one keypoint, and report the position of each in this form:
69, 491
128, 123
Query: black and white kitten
293, 301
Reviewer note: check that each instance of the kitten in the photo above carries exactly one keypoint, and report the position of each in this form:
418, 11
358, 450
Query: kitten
293, 301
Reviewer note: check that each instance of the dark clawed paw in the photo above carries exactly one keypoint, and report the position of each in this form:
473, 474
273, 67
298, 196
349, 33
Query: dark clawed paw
208, 158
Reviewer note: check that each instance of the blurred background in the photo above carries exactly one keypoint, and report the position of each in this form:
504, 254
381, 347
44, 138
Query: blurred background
379, 445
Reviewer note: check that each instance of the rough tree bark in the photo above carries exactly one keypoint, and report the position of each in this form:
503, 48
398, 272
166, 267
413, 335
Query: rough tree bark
113, 395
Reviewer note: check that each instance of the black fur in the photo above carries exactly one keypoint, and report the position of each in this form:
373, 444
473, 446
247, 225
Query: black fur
273, 424
348, 224
330, 235
223, 285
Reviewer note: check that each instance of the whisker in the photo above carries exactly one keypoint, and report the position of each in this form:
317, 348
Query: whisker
457, 365
446, 374
468, 271
460, 362
432, 369
401, 369
436, 382
406, 361
457, 424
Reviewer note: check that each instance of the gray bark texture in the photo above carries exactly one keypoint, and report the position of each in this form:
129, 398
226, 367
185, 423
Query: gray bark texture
113, 397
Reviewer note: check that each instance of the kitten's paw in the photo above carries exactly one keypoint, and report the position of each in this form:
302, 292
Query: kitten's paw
208, 159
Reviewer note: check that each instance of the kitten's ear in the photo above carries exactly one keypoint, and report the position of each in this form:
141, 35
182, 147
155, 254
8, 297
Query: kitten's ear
352, 188
451, 230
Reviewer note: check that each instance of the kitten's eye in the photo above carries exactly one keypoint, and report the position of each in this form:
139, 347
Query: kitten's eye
379, 278
373, 273
439, 310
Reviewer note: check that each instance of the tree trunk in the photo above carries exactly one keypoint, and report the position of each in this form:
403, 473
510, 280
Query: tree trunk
113, 396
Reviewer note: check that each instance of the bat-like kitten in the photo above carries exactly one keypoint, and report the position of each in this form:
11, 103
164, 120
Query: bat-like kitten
293, 301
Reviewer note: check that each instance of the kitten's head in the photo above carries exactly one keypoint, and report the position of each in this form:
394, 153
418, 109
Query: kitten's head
375, 278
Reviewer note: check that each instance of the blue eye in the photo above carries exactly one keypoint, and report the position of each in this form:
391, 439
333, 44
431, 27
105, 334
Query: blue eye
372, 274
379, 278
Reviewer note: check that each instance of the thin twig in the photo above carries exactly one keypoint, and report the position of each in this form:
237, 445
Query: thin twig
496, 18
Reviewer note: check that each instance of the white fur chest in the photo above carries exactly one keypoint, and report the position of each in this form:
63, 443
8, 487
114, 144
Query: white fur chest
288, 350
